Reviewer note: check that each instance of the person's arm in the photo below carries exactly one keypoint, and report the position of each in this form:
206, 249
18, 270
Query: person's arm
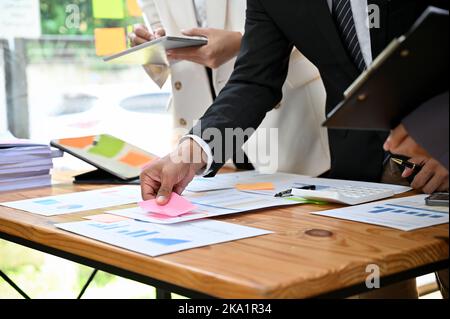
428, 126
254, 89
153, 29
425, 129
423, 136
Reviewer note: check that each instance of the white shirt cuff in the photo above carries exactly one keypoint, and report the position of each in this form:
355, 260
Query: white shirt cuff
205, 147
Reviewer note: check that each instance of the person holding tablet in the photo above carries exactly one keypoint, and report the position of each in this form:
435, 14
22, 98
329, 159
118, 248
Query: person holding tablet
202, 72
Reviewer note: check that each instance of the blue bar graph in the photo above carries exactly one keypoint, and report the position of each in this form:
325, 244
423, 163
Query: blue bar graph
167, 241
381, 210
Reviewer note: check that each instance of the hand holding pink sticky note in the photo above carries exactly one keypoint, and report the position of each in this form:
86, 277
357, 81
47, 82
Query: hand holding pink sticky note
176, 206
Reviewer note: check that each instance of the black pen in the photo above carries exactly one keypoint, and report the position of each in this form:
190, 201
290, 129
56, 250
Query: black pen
406, 164
288, 193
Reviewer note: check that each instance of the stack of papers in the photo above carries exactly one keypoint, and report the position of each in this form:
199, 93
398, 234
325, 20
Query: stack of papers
25, 164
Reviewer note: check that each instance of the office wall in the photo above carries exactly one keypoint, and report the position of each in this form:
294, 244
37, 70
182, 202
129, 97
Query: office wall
3, 114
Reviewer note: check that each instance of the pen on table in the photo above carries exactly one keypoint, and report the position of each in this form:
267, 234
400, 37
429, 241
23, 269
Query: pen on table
406, 164
288, 193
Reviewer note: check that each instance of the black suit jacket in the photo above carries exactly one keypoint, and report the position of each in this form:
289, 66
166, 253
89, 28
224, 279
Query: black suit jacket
255, 87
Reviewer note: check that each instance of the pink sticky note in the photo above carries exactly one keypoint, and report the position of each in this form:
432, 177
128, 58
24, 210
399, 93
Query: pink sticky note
177, 206
106, 218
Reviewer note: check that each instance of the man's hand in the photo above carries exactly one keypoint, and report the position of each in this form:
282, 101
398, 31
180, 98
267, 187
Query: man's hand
222, 47
399, 142
432, 178
172, 173
141, 35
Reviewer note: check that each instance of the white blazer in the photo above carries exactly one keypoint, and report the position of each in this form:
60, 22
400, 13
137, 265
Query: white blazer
302, 142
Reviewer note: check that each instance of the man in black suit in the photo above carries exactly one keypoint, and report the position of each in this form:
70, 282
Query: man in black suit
330, 33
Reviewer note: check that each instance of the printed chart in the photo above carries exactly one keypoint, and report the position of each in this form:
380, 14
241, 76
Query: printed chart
155, 240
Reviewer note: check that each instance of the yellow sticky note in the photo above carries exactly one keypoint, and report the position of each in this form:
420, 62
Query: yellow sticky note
108, 9
133, 8
110, 41
255, 187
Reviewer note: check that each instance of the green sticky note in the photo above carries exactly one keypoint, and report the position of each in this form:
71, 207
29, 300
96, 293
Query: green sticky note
306, 201
108, 9
107, 146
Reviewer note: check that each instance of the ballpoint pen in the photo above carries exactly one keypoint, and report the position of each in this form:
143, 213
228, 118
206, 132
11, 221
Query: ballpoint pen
406, 164
288, 193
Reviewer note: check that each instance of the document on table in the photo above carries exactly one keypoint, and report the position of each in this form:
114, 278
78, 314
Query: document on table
406, 214
209, 204
155, 240
80, 201
281, 182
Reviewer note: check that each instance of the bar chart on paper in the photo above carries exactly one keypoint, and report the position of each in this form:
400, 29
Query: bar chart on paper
406, 214
155, 240
77, 202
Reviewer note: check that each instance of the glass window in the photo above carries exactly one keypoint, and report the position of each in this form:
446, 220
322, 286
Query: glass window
63, 88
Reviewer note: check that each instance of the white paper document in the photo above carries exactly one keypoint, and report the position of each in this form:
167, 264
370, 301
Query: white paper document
155, 240
281, 182
210, 204
80, 201
406, 214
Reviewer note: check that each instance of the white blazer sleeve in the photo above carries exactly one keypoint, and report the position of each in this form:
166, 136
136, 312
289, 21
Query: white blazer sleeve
158, 73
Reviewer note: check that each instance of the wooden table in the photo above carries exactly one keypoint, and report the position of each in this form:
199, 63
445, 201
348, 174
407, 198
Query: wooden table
288, 264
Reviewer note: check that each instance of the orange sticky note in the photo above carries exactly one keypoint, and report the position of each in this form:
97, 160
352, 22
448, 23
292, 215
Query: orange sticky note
106, 218
109, 41
255, 187
133, 8
135, 159
78, 142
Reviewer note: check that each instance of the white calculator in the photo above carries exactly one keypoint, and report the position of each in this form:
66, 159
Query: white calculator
349, 195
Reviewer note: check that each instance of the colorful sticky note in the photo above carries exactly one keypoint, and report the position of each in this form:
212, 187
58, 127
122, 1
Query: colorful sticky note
109, 41
255, 187
80, 142
107, 146
106, 218
133, 8
136, 159
108, 9
176, 206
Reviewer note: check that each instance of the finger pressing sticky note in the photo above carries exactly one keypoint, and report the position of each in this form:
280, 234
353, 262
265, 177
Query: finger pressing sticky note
109, 41
255, 187
176, 206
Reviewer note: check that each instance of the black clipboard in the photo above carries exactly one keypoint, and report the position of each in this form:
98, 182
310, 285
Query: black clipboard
409, 72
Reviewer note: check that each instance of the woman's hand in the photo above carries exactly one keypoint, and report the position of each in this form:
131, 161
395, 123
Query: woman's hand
222, 47
141, 35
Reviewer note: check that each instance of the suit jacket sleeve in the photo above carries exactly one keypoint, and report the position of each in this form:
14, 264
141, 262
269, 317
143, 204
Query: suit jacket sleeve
428, 126
255, 87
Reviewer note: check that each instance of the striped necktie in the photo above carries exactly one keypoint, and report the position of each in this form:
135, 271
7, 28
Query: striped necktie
343, 15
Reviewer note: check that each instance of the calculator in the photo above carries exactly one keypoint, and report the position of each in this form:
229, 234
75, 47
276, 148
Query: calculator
350, 195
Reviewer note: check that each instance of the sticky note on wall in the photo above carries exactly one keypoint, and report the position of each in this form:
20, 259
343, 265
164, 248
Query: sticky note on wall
133, 8
108, 9
110, 41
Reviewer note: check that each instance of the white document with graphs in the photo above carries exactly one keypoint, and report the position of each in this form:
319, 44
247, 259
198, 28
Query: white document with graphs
408, 213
